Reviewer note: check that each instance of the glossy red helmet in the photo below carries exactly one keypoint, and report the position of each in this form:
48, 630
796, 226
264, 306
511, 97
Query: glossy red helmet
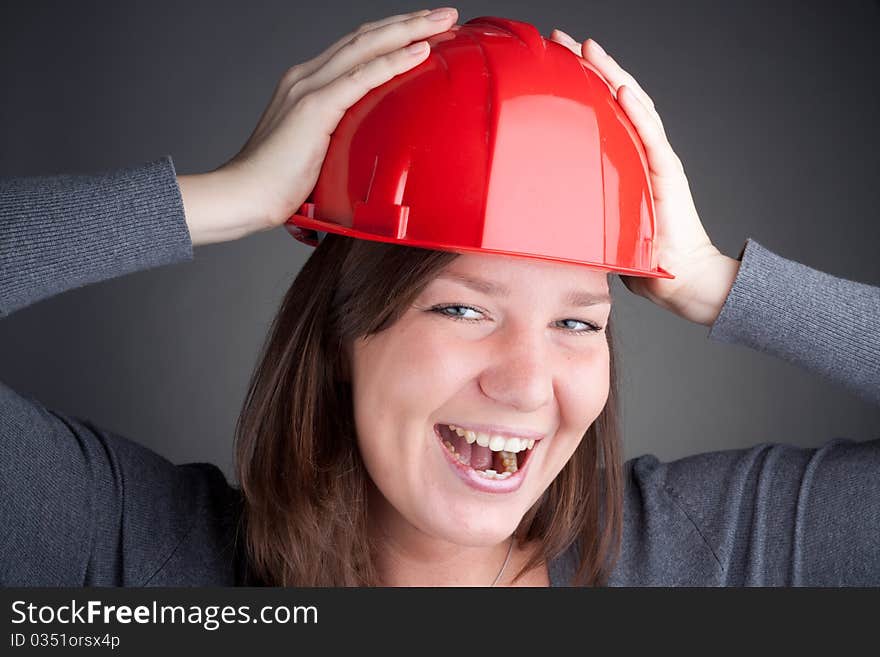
499, 142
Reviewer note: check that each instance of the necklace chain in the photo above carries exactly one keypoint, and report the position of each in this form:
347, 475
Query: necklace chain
504, 565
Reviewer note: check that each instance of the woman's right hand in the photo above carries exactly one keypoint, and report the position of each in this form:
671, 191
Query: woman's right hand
276, 170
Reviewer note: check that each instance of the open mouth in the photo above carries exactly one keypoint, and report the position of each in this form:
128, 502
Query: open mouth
491, 457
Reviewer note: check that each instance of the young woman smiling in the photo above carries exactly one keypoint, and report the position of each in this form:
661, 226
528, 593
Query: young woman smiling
394, 377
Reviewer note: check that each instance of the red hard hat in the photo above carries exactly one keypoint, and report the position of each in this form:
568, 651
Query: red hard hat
499, 142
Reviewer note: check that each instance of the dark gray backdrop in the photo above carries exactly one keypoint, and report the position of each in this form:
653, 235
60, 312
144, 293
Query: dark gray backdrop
772, 107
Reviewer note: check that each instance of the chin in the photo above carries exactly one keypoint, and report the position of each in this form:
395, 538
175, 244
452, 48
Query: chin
475, 533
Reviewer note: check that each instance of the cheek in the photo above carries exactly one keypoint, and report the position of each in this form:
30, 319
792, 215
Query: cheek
406, 365
593, 376
399, 379
583, 395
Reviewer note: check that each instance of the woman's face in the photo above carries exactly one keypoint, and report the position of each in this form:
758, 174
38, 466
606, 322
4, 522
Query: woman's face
523, 360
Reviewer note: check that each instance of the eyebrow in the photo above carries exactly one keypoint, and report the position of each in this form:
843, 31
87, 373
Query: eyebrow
574, 298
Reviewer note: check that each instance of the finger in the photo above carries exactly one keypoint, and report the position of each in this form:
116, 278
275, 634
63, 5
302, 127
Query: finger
612, 70
284, 95
618, 75
662, 160
309, 67
375, 43
614, 73
566, 40
328, 104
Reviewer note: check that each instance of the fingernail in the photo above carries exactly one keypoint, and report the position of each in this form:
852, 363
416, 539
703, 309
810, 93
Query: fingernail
417, 48
597, 48
441, 14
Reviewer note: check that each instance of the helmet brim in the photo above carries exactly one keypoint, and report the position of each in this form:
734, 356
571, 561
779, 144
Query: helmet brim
304, 228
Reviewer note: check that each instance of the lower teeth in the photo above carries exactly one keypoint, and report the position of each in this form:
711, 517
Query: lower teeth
507, 458
491, 474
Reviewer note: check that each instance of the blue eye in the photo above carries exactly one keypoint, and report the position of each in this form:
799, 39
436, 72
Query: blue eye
441, 309
591, 328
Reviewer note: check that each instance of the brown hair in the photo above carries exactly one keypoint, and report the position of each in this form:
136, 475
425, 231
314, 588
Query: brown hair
303, 482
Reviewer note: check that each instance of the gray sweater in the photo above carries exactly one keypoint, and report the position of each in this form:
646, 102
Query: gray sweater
80, 505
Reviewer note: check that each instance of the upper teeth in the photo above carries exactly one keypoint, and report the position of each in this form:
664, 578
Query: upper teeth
494, 442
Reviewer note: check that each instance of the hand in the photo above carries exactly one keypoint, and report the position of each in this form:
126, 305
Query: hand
703, 275
276, 170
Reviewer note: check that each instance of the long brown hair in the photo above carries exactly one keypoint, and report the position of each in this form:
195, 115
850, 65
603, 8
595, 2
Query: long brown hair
303, 482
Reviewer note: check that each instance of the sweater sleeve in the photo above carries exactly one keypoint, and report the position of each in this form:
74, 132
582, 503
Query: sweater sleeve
768, 515
62, 232
81, 506
825, 324
774, 514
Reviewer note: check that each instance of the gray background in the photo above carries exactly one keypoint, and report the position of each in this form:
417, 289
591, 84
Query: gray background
771, 106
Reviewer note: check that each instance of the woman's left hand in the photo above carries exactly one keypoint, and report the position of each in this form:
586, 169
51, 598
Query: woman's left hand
703, 275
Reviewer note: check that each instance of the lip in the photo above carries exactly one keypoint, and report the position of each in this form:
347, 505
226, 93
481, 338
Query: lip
469, 476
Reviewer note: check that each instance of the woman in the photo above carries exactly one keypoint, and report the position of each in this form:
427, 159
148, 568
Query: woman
368, 382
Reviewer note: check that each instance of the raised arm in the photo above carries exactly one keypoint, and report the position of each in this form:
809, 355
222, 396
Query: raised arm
80, 505
771, 514
62, 232
66, 487
825, 324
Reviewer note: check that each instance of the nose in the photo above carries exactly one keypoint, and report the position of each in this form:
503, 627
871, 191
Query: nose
521, 375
